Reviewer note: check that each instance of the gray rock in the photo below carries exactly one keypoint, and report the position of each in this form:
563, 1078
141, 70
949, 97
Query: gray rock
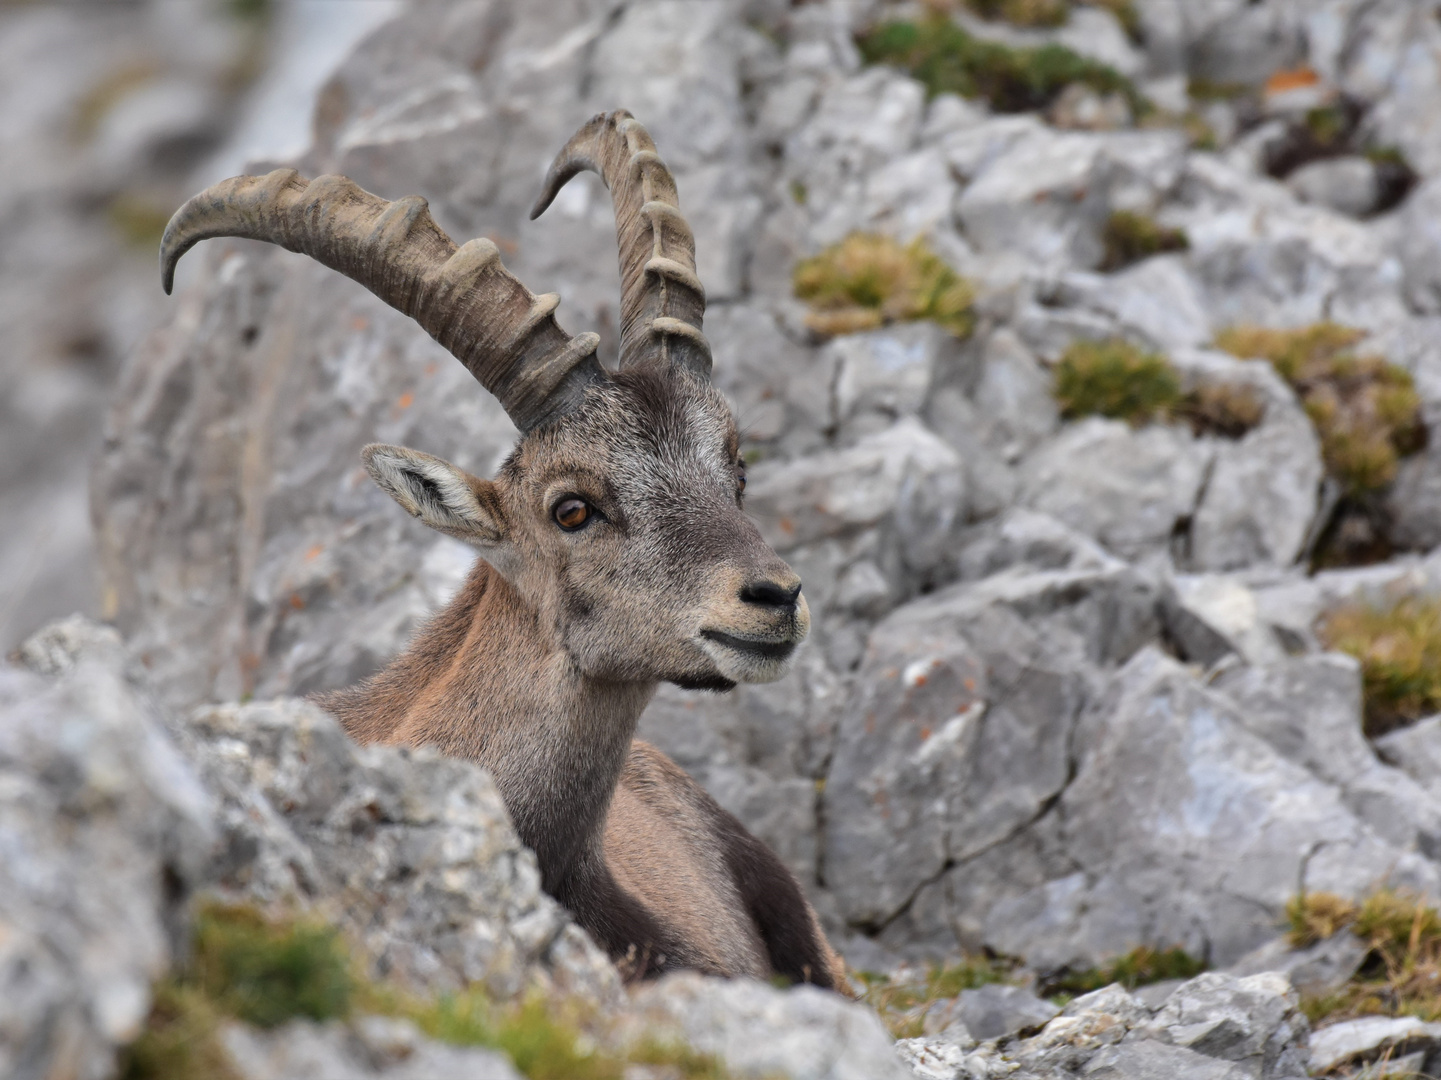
1345, 184
104, 830
1260, 497
369, 1047
759, 1031
1419, 246
1368, 1038
883, 375
1416, 751
956, 735
995, 1010
1317, 970
1127, 488
1254, 1021
411, 852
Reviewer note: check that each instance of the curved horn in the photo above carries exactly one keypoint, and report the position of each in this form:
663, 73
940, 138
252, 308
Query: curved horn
662, 301
463, 297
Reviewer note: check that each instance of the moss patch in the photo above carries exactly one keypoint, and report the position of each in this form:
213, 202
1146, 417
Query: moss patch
867, 280
1222, 409
1399, 648
1366, 410
1139, 967
1022, 12
946, 59
264, 970
1130, 237
902, 1003
140, 223
1401, 974
1116, 379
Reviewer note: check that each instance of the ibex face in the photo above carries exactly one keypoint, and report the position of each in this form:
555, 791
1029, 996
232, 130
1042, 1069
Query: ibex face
621, 526
618, 517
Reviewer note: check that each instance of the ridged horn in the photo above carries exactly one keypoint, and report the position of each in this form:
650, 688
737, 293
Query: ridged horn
662, 301
463, 297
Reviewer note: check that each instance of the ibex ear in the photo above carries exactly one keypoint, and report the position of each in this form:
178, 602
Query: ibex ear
444, 497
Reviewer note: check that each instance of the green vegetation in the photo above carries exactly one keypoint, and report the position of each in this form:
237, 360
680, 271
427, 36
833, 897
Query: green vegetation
868, 280
265, 971
1401, 974
1141, 966
1366, 411
1399, 647
902, 1003
1114, 378
948, 60
1130, 237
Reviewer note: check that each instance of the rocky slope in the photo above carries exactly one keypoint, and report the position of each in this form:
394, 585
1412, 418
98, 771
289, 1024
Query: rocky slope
1065, 694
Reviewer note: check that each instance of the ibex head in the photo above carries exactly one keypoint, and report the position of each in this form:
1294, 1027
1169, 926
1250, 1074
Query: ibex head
617, 518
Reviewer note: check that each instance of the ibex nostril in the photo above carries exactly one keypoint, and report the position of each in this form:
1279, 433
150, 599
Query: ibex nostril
771, 594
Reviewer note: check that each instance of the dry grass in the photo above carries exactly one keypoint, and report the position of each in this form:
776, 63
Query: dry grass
1399, 647
1022, 12
1222, 409
1402, 972
1130, 237
902, 1002
1366, 410
946, 59
248, 966
868, 280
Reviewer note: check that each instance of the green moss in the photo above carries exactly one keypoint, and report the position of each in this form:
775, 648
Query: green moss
1139, 967
1209, 90
902, 1003
1114, 378
1366, 411
948, 60
1130, 237
799, 193
867, 280
1399, 648
267, 971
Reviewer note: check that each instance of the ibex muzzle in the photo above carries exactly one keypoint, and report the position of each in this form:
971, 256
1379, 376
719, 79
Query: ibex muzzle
616, 555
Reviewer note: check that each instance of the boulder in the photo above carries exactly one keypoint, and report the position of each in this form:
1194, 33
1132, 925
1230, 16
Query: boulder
759, 1031
1346, 184
1369, 1037
1128, 488
105, 829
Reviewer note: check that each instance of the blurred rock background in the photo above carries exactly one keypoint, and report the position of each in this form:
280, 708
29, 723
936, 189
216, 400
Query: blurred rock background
1121, 541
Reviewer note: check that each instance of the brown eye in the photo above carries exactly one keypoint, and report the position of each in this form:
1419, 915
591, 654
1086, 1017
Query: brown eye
571, 513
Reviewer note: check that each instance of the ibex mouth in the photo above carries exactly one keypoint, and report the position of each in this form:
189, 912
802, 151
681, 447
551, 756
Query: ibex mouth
764, 648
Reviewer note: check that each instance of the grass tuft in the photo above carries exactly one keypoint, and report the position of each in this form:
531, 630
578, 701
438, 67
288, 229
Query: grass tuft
1130, 237
1022, 12
867, 280
946, 59
1116, 379
180, 1041
1313, 917
1141, 966
1401, 975
1399, 648
1366, 410
902, 1002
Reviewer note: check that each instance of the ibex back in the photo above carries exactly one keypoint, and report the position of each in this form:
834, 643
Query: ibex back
615, 555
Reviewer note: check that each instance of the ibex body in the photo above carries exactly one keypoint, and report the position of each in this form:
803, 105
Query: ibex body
615, 556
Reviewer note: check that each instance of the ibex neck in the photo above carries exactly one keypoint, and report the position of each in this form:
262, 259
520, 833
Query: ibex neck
483, 682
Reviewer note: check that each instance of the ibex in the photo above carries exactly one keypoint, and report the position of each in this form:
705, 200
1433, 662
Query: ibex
615, 555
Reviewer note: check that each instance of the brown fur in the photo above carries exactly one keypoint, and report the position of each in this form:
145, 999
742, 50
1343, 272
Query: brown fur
539, 670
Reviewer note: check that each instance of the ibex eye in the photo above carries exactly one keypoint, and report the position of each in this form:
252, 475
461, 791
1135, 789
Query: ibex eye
571, 513
740, 477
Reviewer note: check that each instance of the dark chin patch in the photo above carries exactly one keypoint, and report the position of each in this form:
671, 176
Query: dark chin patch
719, 683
